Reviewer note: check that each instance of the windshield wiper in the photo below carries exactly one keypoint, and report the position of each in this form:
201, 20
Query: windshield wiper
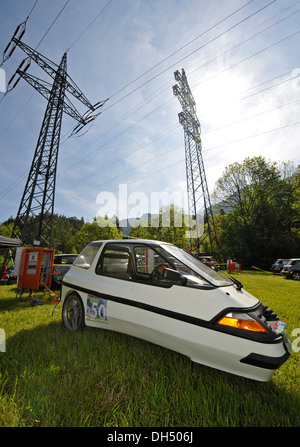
238, 284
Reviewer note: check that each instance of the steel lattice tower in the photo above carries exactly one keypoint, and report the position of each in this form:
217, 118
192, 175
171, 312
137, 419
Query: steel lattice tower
38, 197
197, 189
35, 212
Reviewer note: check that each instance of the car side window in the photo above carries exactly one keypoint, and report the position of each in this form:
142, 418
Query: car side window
115, 261
153, 266
147, 260
87, 256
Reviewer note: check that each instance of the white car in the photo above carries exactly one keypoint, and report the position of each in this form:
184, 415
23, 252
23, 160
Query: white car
157, 292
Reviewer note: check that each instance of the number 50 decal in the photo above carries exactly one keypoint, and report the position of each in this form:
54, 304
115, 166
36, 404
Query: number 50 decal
96, 308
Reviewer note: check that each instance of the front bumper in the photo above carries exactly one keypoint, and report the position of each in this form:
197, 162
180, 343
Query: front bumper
258, 355
263, 361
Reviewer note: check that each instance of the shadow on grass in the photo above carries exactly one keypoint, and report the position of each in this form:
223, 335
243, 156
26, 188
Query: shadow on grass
8, 297
11, 298
102, 378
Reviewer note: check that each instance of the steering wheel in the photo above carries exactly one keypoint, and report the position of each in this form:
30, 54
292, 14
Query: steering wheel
156, 272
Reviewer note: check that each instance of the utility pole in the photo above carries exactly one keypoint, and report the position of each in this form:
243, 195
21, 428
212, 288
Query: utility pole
200, 209
35, 214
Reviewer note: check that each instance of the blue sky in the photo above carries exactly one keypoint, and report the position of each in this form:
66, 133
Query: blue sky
242, 66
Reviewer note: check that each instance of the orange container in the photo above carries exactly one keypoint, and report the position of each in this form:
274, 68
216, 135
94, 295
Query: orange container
233, 266
33, 267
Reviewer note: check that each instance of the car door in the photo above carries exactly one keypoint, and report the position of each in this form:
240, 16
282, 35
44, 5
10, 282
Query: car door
132, 296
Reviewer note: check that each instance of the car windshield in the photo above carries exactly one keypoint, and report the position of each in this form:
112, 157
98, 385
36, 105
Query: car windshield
197, 267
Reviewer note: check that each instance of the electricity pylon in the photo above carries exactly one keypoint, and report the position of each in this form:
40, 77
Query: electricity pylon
35, 214
198, 194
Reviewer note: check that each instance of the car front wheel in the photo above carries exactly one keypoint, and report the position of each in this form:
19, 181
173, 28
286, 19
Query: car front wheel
73, 313
296, 276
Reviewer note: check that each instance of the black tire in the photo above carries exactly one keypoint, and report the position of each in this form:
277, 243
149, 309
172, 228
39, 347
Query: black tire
296, 276
73, 313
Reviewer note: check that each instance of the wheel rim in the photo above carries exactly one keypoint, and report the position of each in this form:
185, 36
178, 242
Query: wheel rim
296, 276
72, 313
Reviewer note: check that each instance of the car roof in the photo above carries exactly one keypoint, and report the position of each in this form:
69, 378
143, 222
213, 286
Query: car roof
135, 241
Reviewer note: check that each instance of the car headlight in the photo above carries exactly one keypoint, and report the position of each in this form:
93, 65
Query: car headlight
242, 321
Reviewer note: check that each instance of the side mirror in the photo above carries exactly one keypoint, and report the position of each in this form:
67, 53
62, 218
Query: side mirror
171, 275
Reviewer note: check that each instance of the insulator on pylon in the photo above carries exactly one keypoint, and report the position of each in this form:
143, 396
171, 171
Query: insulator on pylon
80, 126
87, 114
11, 46
99, 104
6, 48
21, 69
9, 50
22, 65
20, 30
10, 87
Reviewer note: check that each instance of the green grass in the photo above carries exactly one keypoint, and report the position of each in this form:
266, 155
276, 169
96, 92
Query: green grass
50, 377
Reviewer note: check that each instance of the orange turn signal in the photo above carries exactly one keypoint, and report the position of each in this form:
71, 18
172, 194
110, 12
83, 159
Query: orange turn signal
238, 323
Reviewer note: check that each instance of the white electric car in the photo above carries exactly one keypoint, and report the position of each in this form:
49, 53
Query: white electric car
157, 292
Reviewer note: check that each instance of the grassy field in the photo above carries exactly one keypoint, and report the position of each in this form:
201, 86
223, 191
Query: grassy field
52, 378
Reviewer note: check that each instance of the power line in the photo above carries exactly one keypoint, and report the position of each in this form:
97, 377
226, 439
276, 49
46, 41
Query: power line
130, 170
45, 34
251, 117
184, 46
94, 20
2, 61
52, 24
31, 9
124, 156
249, 57
29, 99
116, 102
164, 132
185, 57
252, 136
169, 166
216, 57
248, 39
154, 110
182, 160
49, 28
89, 25
181, 48
91, 174
172, 128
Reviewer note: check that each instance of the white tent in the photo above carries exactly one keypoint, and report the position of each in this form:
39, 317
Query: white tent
9, 242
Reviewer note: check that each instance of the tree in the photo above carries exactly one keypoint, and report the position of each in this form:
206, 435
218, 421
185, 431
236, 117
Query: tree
261, 199
99, 229
168, 226
64, 231
70, 234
